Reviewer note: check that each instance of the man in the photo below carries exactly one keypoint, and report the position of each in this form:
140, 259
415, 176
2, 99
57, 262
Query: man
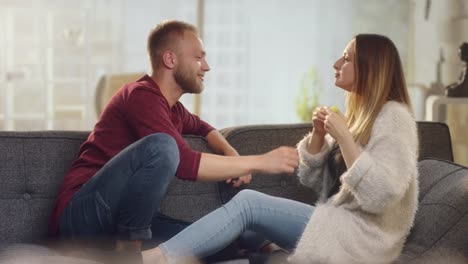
115, 186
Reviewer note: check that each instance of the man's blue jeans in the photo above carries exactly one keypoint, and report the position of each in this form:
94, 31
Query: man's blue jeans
122, 199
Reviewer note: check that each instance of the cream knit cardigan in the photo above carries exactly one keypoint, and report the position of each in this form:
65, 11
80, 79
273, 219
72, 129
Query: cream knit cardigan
368, 220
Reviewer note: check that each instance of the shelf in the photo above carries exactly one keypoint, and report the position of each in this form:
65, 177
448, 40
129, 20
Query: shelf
435, 102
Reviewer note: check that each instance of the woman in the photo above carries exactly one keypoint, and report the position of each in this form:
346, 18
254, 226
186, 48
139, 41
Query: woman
363, 167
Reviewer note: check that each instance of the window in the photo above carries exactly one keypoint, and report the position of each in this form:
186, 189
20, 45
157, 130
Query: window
54, 52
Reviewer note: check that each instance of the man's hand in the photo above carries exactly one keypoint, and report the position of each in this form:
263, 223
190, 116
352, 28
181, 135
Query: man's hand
240, 181
227, 164
236, 182
279, 160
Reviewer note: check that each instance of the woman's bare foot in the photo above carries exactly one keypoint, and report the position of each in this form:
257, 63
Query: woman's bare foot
153, 256
156, 256
270, 248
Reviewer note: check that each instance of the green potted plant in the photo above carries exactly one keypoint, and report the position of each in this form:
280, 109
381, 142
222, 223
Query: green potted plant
309, 95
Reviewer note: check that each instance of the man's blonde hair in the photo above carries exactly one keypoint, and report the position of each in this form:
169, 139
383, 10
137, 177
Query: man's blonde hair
165, 36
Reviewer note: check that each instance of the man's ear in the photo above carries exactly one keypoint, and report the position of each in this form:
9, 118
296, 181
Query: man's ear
169, 59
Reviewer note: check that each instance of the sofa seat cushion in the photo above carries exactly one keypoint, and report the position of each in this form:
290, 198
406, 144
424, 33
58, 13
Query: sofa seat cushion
441, 224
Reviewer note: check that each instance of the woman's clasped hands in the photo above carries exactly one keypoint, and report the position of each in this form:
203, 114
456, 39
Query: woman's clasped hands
330, 120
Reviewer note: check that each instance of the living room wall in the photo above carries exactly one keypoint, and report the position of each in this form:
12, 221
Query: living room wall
259, 51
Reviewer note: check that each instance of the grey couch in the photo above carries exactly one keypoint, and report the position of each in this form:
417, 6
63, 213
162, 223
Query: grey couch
32, 165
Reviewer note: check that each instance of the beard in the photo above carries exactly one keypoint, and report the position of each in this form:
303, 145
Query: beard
187, 80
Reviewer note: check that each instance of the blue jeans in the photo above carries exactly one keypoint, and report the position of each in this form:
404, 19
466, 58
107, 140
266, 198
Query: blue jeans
277, 219
122, 199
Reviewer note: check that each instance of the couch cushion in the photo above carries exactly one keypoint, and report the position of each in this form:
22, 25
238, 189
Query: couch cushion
249, 140
32, 166
434, 141
187, 200
441, 223
434, 137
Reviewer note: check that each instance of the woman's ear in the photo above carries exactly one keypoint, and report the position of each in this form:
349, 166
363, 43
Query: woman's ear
169, 59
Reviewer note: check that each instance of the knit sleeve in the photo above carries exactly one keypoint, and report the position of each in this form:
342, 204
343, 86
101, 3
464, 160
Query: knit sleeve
312, 166
386, 166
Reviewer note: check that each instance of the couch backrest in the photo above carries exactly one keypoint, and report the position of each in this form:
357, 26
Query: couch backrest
434, 141
32, 165
434, 138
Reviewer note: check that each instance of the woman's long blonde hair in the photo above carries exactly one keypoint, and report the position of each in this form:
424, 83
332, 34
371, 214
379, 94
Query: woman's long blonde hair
379, 78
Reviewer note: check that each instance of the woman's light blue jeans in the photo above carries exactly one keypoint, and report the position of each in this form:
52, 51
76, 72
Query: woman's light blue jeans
277, 219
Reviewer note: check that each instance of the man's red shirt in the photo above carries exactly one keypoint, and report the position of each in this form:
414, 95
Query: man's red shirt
138, 109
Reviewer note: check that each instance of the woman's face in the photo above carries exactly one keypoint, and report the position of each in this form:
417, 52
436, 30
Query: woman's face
344, 68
